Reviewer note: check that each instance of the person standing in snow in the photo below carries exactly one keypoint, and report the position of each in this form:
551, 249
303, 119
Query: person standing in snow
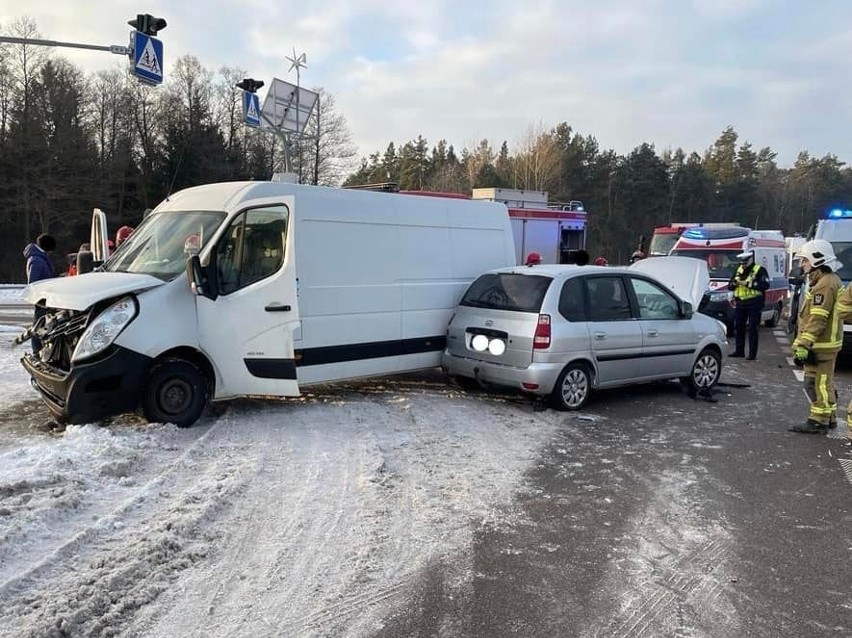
39, 267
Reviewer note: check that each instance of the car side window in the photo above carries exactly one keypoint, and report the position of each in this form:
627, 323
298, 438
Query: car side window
654, 301
252, 248
572, 300
607, 299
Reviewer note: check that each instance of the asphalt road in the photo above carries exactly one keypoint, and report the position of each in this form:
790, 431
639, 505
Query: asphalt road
653, 514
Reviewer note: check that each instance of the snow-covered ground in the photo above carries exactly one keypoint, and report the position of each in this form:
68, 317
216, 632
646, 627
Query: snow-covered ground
304, 517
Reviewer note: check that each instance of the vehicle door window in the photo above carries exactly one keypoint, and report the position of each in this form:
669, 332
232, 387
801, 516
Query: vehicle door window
654, 302
252, 248
572, 300
607, 299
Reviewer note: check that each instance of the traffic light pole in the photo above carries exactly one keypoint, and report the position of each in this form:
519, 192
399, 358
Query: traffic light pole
113, 48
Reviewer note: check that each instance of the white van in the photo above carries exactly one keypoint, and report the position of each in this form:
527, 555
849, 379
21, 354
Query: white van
257, 289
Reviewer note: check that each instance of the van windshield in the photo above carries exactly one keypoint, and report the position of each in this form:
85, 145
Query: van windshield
507, 291
162, 243
721, 264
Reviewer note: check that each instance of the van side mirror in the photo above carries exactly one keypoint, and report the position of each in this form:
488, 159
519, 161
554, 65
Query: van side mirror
686, 310
199, 283
85, 261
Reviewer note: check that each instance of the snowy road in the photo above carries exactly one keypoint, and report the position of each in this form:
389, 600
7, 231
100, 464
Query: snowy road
296, 518
406, 507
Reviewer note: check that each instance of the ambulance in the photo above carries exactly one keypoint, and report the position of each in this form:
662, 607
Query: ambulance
719, 247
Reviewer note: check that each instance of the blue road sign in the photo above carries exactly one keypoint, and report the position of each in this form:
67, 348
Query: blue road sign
147, 58
251, 109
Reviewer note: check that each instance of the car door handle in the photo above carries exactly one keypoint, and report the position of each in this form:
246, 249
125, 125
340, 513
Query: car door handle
653, 333
600, 336
277, 308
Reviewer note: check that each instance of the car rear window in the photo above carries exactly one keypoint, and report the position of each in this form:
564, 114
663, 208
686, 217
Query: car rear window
507, 291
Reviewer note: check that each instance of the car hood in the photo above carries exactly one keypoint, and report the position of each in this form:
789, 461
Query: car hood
688, 278
80, 292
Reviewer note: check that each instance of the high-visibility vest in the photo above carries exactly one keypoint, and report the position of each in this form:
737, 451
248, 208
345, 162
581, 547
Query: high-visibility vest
745, 292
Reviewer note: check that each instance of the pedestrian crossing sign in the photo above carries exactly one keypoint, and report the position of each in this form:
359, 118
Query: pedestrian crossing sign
251, 109
147, 61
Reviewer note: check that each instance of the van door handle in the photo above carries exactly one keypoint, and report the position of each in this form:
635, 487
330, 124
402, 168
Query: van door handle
277, 308
600, 336
653, 333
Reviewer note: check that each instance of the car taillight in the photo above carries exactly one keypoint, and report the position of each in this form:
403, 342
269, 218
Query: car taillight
542, 333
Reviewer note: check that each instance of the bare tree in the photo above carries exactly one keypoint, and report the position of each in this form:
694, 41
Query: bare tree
538, 161
326, 155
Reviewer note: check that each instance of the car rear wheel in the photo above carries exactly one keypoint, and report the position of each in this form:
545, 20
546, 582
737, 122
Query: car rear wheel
176, 392
573, 387
705, 371
775, 318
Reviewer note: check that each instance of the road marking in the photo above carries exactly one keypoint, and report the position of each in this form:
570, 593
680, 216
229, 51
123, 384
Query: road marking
846, 464
800, 374
790, 362
782, 341
779, 333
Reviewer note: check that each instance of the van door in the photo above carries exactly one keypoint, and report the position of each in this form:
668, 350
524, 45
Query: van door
248, 330
616, 338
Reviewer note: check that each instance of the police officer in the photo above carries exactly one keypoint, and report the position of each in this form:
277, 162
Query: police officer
749, 283
820, 334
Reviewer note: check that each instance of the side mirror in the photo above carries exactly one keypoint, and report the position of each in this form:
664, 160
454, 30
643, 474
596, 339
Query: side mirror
686, 310
199, 283
85, 261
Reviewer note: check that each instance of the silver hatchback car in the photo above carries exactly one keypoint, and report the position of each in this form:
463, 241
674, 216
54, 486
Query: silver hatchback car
563, 331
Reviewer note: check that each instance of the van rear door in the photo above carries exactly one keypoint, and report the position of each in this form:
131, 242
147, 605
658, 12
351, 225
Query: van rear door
248, 329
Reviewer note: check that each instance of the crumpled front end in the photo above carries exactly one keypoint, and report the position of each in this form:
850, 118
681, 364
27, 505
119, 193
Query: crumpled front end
81, 392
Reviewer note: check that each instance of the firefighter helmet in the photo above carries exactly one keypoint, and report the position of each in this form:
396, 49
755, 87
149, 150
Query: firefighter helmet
820, 252
533, 259
123, 233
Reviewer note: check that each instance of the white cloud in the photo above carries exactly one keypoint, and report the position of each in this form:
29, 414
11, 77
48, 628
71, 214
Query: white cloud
663, 71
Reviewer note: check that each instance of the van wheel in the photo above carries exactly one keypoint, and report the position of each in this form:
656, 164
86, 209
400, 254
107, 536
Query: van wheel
705, 371
176, 392
573, 387
775, 318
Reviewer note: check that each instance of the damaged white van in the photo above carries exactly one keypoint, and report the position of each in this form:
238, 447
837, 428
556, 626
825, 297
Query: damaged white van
257, 289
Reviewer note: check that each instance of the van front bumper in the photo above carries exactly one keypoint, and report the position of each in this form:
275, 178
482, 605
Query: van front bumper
109, 385
544, 375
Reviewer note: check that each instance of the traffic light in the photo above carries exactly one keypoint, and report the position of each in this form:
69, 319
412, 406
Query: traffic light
250, 84
147, 24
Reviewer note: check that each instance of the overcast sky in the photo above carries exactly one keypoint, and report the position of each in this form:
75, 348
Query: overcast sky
671, 72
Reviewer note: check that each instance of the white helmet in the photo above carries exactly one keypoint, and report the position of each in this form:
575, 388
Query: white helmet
820, 252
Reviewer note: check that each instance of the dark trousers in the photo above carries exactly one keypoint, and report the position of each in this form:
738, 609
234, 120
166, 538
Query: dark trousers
747, 313
40, 311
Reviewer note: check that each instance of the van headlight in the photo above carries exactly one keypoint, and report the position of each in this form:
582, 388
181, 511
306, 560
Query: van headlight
105, 328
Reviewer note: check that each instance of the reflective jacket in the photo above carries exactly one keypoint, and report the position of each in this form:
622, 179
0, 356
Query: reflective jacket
820, 317
754, 280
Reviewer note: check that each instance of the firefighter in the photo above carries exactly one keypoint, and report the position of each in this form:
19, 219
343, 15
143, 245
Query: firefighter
749, 283
844, 307
820, 334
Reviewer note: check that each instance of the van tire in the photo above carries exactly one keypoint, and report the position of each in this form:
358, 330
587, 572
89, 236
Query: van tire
775, 318
176, 392
705, 372
573, 387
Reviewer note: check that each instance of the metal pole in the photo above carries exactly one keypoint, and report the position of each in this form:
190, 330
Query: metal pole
113, 48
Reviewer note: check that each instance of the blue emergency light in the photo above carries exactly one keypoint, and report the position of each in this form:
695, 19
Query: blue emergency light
839, 213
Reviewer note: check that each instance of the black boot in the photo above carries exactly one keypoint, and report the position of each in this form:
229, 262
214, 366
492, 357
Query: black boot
811, 426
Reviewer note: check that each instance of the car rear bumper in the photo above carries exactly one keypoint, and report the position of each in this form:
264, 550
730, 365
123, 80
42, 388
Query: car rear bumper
542, 375
110, 385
